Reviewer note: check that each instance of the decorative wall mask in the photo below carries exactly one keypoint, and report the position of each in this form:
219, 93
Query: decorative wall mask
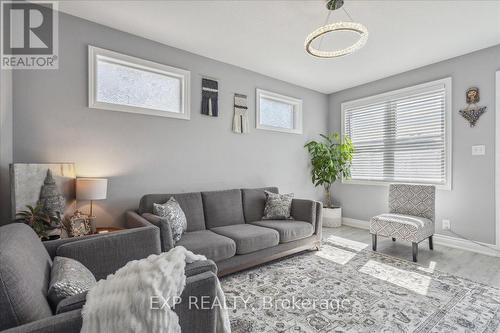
472, 112
209, 97
240, 120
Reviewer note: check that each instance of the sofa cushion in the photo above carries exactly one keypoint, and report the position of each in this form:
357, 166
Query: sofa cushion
254, 201
278, 206
222, 208
211, 245
172, 212
68, 277
400, 226
191, 205
24, 276
248, 237
288, 230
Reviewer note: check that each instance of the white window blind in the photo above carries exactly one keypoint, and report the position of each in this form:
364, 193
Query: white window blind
401, 136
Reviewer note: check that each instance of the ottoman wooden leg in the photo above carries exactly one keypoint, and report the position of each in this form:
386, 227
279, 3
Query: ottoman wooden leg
393, 239
414, 251
431, 244
374, 242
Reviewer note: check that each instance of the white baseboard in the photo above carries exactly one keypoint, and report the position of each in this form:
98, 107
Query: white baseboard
356, 223
454, 242
468, 245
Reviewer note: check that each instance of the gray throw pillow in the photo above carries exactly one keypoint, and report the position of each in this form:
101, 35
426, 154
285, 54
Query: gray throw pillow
172, 212
68, 277
278, 206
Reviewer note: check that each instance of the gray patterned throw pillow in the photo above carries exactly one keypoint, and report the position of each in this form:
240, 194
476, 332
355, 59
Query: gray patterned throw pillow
278, 206
68, 277
172, 212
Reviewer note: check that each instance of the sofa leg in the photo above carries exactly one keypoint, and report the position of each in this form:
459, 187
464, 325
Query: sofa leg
374, 242
414, 247
393, 239
431, 244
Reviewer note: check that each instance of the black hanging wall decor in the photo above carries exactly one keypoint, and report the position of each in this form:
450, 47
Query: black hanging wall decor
209, 97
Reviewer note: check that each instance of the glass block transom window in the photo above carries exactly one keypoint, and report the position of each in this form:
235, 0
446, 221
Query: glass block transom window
277, 112
122, 83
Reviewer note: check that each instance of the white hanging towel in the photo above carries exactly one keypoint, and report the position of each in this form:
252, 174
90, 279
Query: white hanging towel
240, 120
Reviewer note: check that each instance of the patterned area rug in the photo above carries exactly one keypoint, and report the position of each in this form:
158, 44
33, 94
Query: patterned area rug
345, 288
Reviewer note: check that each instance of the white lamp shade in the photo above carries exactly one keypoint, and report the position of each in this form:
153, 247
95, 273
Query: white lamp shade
91, 188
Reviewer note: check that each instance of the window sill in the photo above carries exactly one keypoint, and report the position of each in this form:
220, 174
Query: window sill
277, 129
446, 187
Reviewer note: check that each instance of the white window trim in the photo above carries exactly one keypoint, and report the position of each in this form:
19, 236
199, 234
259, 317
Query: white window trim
115, 57
297, 111
447, 82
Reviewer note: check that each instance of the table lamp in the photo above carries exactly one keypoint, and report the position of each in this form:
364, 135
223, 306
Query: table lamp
91, 189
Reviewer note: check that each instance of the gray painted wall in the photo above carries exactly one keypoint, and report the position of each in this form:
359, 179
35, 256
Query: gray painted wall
144, 154
5, 143
470, 205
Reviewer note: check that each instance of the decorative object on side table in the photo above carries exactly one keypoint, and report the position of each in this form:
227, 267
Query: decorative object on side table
91, 189
37, 219
209, 97
53, 204
51, 186
27, 180
330, 160
472, 112
79, 224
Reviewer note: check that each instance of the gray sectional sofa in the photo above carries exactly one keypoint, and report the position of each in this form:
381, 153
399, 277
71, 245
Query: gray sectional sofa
227, 226
25, 266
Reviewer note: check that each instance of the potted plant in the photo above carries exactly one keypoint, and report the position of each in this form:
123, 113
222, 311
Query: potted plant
330, 160
36, 218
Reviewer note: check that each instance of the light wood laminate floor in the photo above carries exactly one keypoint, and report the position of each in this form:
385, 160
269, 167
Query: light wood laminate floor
470, 265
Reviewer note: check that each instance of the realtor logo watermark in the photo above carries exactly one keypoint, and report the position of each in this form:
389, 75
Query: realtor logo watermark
29, 37
263, 303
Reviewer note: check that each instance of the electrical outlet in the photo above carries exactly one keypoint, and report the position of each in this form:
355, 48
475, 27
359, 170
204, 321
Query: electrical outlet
446, 225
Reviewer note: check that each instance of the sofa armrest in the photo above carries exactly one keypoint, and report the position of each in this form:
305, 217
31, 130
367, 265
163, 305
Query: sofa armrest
198, 267
106, 254
195, 312
319, 220
167, 242
304, 210
68, 322
51, 246
71, 303
134, 220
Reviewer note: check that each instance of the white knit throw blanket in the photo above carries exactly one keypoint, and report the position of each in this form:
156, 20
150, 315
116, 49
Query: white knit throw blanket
121, 303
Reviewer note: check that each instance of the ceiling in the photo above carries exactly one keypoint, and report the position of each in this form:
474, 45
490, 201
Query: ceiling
268, 36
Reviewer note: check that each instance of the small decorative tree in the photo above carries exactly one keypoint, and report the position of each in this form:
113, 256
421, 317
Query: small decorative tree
330, 160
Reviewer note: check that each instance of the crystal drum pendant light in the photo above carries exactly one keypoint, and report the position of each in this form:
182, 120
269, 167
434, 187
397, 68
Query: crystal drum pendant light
338, 26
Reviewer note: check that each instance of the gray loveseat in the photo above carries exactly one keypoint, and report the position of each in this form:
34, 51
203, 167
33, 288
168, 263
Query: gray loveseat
227, 226
25, 264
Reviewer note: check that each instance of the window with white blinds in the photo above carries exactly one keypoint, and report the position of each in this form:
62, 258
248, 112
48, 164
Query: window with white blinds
402, 136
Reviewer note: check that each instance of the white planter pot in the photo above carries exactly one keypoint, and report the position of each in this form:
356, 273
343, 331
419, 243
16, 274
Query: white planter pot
332, 217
